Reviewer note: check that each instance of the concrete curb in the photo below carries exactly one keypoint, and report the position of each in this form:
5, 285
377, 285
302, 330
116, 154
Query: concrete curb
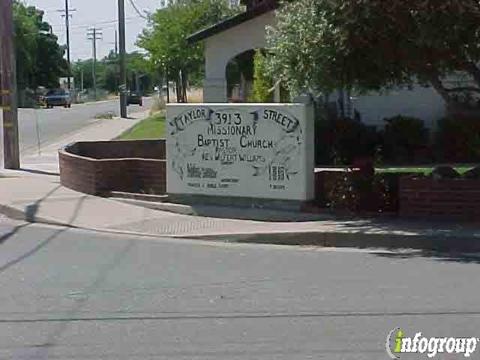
456, 243
224, 212
390, 241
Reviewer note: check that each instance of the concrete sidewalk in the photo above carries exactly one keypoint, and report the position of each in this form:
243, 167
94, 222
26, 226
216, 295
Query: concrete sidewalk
46, 160
35, 195
42, 199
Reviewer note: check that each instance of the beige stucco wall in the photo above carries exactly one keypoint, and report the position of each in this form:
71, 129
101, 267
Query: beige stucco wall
221, 48
420, 102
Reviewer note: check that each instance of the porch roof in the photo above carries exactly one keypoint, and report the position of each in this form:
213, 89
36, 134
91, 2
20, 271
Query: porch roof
260, 9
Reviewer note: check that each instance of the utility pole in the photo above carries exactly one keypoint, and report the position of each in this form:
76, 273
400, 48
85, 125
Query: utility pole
67, 16
122, 59
94, 34
168, 85
116, 43
81, 79
8, 87
115, 61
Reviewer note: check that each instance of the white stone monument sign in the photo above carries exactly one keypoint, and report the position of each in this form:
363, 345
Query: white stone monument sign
241, 150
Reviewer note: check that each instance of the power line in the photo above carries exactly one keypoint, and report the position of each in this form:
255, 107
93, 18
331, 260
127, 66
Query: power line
103, 22
137, 10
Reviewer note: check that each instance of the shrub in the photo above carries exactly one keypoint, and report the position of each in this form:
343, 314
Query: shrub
472, 173
261, 82
445, 172
323, 142
341, 141
358, 191
402, 138
351, 140
458, 140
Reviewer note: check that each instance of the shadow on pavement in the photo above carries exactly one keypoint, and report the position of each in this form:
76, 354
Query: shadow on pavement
30, 212
42, 350
32, 209
435, 255
40, 172
11, 233
406, 224
30, 215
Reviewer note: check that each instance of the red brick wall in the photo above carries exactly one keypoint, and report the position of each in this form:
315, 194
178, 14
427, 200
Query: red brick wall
131, 175
447, 198
77, 173
121, 149
96, 176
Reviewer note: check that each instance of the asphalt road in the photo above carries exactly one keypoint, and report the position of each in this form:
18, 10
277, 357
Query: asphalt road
49, 125
69, 294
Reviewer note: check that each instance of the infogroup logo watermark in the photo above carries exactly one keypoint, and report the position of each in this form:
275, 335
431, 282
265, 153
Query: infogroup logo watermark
397, 343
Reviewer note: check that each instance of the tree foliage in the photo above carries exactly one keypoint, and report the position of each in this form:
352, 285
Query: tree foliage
107, 73
375, 44
39, 57
262, 83
165, 39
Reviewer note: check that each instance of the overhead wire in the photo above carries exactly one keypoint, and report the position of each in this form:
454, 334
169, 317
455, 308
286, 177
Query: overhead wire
137, 10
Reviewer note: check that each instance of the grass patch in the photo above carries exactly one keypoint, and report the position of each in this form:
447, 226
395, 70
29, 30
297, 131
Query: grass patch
420, 170
105, 116
152, 127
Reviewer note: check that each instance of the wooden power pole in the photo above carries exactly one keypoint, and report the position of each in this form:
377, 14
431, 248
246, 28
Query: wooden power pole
8, 87
122, 59
67, 16
94, 34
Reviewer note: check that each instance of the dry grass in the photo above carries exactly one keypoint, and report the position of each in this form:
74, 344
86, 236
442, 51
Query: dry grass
158, 105
107, 115
195, 96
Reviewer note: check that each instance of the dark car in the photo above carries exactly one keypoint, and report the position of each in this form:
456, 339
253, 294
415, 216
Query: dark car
134, 99
58, 97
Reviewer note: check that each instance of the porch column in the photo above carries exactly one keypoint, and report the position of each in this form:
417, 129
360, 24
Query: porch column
215, 90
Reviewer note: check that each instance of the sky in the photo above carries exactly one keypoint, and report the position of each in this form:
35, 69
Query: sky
99, 13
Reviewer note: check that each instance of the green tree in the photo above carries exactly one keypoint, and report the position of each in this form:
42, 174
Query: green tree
262, 83
375, 44
40, 59
107, 72
165, 38
85, 67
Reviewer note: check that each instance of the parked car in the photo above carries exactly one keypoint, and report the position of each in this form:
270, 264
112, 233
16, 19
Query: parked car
58, 97
134, 99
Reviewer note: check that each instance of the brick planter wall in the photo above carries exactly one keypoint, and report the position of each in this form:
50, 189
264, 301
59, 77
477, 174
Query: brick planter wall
129, 166
456, 199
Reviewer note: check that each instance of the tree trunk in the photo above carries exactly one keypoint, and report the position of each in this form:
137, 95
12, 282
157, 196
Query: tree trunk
179, 82
474, 71
184, 85
441, 90
177, 90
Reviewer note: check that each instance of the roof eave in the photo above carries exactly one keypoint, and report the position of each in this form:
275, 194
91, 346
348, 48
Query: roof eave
232, 22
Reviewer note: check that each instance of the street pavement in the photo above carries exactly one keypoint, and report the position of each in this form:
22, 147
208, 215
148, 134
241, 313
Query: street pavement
71, 294
38, 197
48, 125
46, 160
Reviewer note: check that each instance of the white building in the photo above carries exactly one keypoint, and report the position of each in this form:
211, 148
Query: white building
165, 3
244, 32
